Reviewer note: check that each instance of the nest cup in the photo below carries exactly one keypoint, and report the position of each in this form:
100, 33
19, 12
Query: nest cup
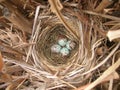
48, 38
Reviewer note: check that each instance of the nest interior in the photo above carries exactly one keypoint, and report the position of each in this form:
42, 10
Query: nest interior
50, 37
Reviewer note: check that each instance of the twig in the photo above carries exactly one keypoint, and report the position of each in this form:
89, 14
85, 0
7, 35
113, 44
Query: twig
33, 32
102, 15
103, 5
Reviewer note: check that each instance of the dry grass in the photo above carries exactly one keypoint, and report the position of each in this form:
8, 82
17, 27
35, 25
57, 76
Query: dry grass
29, 29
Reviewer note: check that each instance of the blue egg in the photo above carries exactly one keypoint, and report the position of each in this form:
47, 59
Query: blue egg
62, 42
70, 45
64, 51
56, 48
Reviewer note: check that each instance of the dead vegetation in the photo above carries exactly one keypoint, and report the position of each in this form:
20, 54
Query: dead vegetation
28, 29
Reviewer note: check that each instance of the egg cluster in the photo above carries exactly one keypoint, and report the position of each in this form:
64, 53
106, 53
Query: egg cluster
63, 46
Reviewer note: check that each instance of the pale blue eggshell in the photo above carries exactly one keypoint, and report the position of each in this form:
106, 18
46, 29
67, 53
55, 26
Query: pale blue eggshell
62, 42
64, 51
56, 48
70, 45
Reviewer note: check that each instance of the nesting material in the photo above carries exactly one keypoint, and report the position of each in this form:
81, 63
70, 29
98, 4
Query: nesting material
72, 44
53, 45
70, 59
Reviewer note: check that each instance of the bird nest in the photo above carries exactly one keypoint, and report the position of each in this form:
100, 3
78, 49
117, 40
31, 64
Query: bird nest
88, 57
68, 68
